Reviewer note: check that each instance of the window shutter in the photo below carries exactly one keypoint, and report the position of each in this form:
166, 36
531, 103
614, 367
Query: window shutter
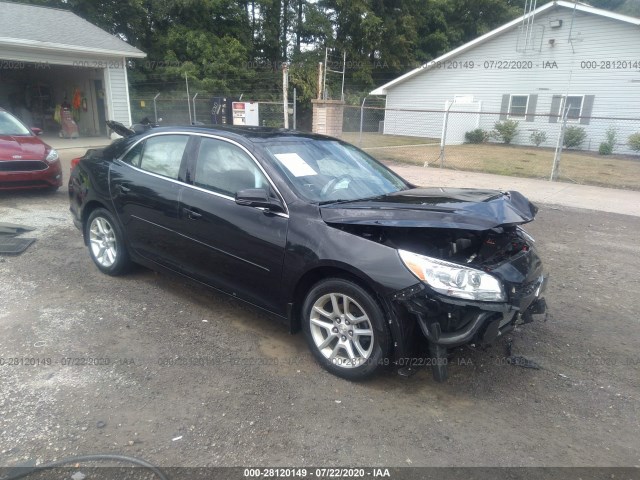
531, 108
556, 100
587, 108
504, 108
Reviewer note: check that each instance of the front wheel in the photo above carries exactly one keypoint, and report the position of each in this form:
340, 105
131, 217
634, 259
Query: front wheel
106, 243
345, 329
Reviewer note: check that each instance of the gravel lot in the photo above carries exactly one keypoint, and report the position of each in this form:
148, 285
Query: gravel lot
261, 400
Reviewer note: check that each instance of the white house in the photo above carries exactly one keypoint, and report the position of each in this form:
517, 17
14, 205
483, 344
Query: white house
561, 58
50, 55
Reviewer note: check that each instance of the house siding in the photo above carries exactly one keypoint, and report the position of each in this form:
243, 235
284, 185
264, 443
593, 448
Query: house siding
609, 92
118, 95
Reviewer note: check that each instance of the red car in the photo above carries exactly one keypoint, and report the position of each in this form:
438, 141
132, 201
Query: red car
25, 160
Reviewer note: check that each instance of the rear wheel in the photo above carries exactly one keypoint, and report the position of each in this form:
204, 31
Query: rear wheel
106, 243
345, 329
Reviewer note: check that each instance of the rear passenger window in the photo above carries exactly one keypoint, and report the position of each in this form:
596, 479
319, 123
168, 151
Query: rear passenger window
162, 155
225, 168
133, 156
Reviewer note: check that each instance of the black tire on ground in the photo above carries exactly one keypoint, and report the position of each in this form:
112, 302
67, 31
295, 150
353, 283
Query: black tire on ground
105, 225
371, 351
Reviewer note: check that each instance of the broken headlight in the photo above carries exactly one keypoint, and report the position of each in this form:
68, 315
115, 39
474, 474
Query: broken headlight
454, 280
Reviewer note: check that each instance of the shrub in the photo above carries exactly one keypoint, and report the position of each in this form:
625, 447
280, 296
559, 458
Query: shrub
476, 136
574, 136
507, 130
606, 147
538, 138
634, 141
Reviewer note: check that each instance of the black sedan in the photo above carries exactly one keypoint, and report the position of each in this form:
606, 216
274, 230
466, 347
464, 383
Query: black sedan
315, 232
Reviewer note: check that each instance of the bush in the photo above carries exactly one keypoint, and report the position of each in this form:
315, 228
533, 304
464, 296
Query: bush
634, 141
606, 147
476, 136
574, 136
507, 130
538, 138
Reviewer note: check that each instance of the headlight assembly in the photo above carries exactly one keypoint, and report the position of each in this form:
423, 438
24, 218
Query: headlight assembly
52, 156
454, 280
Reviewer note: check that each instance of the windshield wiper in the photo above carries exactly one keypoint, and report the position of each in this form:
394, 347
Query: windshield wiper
334, 202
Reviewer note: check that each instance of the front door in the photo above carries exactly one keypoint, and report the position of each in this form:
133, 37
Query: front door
237, 249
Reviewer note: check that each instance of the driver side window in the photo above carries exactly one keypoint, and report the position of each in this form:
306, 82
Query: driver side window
225, 168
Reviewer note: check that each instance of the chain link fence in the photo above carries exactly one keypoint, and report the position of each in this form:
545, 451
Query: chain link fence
595, 150
207, 109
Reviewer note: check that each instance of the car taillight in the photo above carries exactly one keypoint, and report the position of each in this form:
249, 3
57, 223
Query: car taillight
75, 162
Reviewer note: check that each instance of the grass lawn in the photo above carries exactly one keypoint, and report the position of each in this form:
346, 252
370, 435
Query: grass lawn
619, 171
375, 140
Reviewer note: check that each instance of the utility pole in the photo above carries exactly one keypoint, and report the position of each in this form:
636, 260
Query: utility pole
285, 92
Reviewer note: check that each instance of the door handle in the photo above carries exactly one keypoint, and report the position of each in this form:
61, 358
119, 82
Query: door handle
124, 189
192, 214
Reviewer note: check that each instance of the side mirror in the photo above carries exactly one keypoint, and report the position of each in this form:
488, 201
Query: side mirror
36, 131
257, 197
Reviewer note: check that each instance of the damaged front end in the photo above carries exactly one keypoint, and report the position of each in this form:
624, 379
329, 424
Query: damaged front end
478, 271
447, 320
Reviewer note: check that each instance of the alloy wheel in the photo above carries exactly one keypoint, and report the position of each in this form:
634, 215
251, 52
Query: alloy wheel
102, 238
341, 330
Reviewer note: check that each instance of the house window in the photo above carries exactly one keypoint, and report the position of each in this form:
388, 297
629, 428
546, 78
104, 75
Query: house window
573, 107
518, 105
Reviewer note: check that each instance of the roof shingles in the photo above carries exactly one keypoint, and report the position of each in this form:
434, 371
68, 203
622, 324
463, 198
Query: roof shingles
34, 24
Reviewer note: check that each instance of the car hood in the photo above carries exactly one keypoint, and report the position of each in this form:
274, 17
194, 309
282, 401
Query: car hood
22, 147
460, 208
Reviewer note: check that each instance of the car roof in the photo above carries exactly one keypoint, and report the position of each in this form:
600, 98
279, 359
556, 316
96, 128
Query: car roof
254, 134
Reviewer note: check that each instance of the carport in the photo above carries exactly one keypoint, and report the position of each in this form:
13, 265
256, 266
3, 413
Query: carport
51, 59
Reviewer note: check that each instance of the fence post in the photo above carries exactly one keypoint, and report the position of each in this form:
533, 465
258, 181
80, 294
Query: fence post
195, 119
155, 108
294, 109
559, 146
361, 120
186, 80
285, 91
444, 133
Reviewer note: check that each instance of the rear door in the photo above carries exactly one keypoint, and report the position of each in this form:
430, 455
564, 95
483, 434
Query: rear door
237, 249
145, 187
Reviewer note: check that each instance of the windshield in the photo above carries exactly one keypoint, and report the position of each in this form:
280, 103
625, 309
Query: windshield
9, 125
326, 171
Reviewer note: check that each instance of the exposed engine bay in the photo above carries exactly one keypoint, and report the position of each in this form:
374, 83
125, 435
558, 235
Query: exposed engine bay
480, 249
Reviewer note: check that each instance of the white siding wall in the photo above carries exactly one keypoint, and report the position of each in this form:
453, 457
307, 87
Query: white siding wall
616, 91
118, 95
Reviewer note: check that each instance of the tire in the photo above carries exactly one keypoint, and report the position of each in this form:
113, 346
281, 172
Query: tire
106, 243
330, 331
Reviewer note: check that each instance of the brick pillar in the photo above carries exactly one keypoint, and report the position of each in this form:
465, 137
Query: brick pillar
327, 117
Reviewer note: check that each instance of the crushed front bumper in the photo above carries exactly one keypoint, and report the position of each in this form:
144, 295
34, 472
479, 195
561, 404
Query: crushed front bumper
450, 322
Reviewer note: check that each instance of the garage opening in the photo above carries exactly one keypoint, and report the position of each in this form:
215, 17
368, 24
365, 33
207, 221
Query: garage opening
41, 95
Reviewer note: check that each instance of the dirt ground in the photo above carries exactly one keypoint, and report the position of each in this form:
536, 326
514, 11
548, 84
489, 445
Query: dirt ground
184, 376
